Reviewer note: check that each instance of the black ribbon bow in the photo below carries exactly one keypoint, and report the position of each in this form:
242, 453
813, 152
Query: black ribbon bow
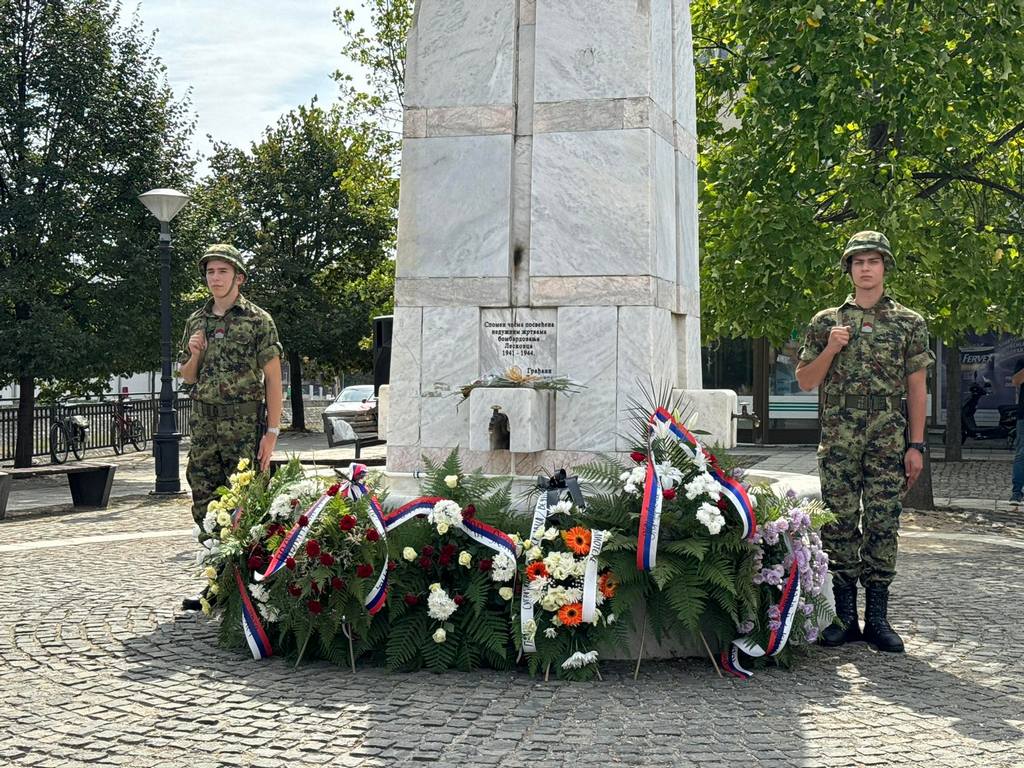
558, 485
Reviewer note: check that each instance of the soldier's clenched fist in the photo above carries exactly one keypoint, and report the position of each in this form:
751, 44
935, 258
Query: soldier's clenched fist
838, 337
197, 343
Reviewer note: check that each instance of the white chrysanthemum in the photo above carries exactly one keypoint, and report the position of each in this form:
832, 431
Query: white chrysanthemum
196, 532
259, 593
556, 597
530, 630
446, 511
503, 567
711, 517
561, 565
703, 484
535, 589
564, 507
611, 618
439, 605
536, 553
668, 474
210, 522
633, 479
579, 659
268, 612
305, 490
551, 534
550, 632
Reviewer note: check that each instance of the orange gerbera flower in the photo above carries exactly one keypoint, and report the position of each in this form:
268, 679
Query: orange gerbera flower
608, 584
570, 615
577, 539
536, 570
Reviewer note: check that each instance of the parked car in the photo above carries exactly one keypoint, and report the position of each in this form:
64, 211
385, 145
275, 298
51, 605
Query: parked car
353, 400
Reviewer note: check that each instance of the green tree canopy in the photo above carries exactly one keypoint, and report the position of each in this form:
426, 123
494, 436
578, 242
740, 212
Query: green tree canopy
87, 122
819, 120
313, 202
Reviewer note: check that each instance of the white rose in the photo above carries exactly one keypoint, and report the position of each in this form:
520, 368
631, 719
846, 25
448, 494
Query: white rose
442, 527
440, 636
409, 554
465, 559
451, 481
506, 593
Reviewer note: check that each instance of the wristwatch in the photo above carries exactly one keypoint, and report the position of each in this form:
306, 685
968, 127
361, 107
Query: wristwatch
273, 430
921, 448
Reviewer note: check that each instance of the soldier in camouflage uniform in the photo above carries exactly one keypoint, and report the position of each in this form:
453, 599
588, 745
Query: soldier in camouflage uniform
867, 355
231, 358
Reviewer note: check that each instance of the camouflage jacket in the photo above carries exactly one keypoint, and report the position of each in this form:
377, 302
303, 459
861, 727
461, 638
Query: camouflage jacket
238, 345
887, 343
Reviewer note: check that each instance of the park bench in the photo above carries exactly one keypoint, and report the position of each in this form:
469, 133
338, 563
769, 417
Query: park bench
90, 483
359, 428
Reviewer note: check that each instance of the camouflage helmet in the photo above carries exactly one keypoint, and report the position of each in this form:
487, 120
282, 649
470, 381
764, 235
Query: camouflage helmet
868, 240
223, 252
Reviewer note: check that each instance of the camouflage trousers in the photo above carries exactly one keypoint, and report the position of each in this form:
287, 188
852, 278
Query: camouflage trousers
217, 446
860, 463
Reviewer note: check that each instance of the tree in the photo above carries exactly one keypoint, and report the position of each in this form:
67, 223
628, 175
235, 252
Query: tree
313, 202
894, 115
87, 122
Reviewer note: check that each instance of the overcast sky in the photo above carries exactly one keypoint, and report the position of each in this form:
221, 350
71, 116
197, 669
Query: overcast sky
246, 61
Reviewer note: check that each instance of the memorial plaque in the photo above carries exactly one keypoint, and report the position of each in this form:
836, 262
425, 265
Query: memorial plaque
518, 337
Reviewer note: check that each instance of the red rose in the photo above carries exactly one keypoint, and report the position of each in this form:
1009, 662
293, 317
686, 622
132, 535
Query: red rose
484, 565
459, 599
364, 571
312, 548
372, 535
294, 590
256, 563
326, 558
314, 588
337, 584
469, 512
447, 550
289, 563
303, 521
314, 607
347, 523
444, 561
722, 504
275, 530
333, 490
412, 599
392, 564
425, 562
295, 502
669, 494
427, 551
638, 457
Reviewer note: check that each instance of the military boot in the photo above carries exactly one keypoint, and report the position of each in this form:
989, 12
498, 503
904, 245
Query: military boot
876, 623
846, 612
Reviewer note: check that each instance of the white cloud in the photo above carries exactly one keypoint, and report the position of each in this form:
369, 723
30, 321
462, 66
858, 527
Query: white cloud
246, 62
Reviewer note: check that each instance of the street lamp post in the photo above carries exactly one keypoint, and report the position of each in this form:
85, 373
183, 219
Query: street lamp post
164, 204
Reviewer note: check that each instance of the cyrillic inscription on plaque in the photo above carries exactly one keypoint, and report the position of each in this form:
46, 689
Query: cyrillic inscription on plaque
520, 337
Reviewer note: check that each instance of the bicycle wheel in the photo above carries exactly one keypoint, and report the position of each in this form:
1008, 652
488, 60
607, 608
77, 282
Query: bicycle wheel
58, 444
118, 439
78, 439
137, 434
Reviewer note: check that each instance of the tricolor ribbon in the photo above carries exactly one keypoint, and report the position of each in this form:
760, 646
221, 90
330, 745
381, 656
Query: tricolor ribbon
354, 489
252, 627
294, 539
778, 637
661, 421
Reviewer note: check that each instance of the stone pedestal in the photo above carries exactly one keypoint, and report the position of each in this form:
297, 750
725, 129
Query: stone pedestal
548, 220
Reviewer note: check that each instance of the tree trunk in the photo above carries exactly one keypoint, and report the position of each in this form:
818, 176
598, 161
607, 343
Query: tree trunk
26, 428
295, 376
954, 451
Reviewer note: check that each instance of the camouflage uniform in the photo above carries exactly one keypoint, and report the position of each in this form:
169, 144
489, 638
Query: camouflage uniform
863, 432
239, 344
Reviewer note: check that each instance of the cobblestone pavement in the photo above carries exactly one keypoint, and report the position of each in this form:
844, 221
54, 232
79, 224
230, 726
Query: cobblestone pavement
97, 667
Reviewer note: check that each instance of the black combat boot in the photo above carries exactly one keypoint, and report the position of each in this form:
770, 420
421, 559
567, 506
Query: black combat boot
876, 623
846, 612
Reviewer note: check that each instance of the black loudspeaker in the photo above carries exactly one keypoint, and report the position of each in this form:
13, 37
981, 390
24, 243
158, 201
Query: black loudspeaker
381, 351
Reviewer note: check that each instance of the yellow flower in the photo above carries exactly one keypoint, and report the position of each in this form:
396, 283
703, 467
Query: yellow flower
435, 587
205, 604
210, 572
214, 589
224, 533
243, 464
465, 559
214, 506
528, 545
223, 519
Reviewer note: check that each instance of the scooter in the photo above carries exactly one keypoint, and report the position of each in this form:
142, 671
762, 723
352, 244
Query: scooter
1006, 429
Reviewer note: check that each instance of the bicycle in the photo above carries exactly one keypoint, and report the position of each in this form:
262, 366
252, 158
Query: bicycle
69, 431
126, 428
